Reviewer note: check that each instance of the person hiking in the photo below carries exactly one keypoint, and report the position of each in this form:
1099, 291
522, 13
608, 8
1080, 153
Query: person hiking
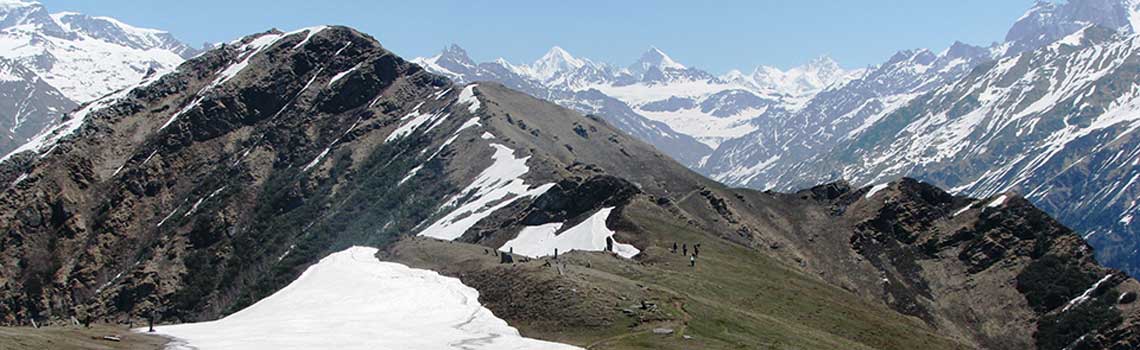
692, 261
684, 249
674, 248
696, 249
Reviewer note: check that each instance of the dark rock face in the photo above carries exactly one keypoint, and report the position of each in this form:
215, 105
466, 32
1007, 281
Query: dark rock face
916, 233
217, 209
829, 191
569, 199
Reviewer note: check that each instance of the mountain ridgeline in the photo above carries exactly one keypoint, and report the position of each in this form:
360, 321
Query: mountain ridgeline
200, 191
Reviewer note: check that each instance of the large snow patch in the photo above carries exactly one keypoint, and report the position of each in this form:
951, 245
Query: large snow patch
351, 300
496, 187
590, 235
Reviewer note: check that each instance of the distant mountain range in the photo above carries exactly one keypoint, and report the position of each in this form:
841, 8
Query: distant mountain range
52, 62
1045, 112
680, 102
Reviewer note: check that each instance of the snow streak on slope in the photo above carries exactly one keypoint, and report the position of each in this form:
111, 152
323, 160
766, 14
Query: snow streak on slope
1052, 99
45, 141
350, 300
496, 187
843, 111
1059, 124
468, 96
590, 235
413, 121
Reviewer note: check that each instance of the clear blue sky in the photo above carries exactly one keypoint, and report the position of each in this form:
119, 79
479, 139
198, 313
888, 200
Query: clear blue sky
716, 36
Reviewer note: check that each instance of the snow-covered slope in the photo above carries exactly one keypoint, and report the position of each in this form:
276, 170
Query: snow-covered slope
351, 300
589, 235
69, 58
27, 104
85, 57
496, 187
786, 136
1058, 124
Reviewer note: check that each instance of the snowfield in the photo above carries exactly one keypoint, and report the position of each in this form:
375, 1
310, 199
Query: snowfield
590, 235
351, 300
496, 187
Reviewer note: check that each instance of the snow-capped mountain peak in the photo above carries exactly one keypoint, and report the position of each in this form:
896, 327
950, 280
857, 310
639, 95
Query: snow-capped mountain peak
806, 79
660, 59
17, 15
83, 56
116, 32
54, 62
654, 58
556, 61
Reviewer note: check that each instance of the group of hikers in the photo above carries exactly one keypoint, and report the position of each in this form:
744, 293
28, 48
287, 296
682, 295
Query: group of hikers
685, 251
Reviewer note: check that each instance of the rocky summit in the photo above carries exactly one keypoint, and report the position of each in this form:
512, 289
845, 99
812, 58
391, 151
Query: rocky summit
200, 191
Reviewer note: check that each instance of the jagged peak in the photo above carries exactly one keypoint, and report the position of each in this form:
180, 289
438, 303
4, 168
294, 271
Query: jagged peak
454, 49
455, 53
